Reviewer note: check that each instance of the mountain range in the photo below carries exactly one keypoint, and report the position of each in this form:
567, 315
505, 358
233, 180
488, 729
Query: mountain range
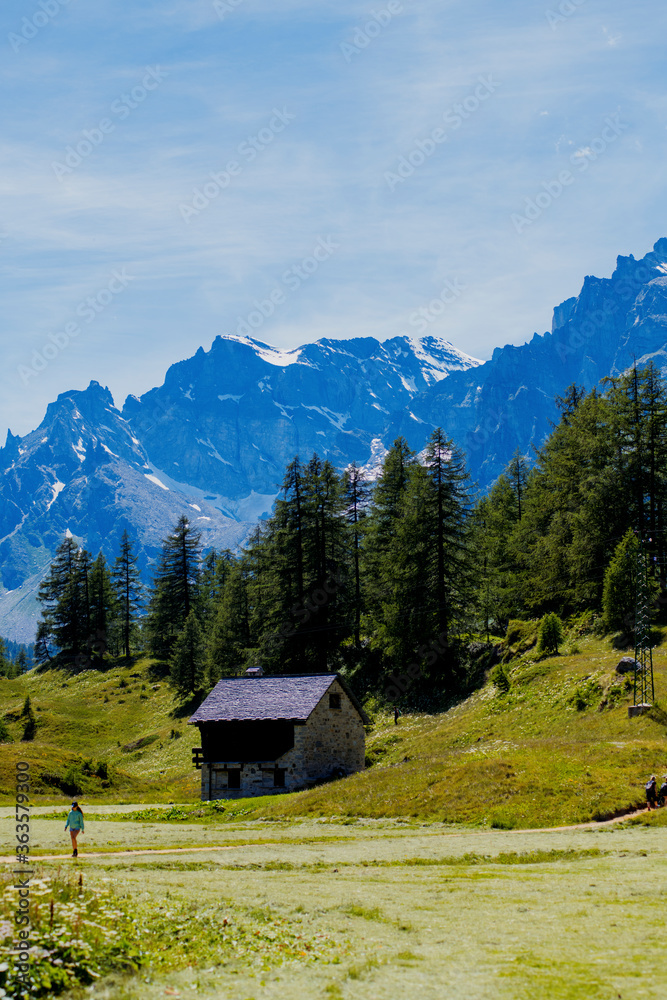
213, 440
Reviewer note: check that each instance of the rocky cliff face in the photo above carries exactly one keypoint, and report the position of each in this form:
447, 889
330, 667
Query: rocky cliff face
229, 420
509, 402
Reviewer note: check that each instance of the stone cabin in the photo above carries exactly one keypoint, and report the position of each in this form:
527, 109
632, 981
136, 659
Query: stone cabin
264, 735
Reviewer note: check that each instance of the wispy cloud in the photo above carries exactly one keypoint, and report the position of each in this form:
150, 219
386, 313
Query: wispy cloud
324, 174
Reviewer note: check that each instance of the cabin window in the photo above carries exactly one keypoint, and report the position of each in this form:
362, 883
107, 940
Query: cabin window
279, 777
234, 777
334, 701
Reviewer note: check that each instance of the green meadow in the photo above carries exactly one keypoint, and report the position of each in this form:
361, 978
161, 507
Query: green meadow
439, 870
361, 909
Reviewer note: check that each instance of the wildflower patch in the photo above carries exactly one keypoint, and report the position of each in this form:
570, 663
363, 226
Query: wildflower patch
80, 934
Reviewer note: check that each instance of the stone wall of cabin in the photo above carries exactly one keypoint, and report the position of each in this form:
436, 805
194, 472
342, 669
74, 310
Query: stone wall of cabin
333, 740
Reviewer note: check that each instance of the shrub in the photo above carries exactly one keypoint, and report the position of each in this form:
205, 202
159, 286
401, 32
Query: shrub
550, 634
73, 780
519, 638
500, 678
5, 736
585, 695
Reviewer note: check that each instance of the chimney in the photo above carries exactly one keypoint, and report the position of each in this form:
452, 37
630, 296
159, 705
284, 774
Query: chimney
254, 672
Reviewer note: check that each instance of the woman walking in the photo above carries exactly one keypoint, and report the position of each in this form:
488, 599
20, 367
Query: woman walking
75, 825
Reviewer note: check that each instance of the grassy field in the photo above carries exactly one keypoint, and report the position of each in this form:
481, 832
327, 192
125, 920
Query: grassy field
368, 909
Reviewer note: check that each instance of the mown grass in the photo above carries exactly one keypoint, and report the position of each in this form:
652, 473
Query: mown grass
395, 909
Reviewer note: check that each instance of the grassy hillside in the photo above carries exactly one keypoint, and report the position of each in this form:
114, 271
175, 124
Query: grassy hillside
557, 748
120, 718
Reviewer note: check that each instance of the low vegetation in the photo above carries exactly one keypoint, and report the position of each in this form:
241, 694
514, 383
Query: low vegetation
79, 934
349, 909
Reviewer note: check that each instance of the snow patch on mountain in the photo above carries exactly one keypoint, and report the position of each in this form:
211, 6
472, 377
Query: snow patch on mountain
154, 479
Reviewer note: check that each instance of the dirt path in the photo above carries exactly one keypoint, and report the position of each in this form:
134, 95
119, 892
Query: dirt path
593, 825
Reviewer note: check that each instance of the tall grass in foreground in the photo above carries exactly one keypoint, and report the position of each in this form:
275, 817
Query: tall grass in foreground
79, 934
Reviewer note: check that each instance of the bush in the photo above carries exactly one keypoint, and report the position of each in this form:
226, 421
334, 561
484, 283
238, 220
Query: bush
585, 695
72, 782
550, 634
5, 736
500, 678
519, 638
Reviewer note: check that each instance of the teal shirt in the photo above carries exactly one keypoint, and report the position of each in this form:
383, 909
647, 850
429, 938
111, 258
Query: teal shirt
74, 820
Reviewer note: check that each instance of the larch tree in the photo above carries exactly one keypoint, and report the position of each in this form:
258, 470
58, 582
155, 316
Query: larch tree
128, 592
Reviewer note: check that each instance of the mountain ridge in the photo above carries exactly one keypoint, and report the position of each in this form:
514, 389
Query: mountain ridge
92, 470
213, 440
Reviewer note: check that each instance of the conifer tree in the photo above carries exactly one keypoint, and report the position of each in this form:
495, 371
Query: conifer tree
550, 634
175, 591
29, 721
42, 644
187, 663
7, 668
64, 595
229, 637
430, 568
618, 597
517, 476
355, 497
128, 592
380, 527
102, 607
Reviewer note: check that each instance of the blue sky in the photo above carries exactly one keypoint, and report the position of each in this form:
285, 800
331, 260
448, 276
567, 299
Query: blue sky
167, 166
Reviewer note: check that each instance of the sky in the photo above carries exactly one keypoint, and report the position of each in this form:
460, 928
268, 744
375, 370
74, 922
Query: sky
297, 169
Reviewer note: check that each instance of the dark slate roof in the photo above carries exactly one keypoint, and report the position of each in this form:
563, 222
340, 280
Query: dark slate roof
290, 697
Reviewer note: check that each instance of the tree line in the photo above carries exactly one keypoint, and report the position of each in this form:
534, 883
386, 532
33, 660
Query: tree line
390, 580
15, 658
564, 534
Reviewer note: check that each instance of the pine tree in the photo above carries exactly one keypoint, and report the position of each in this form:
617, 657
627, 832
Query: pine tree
517, 476
29, 721
296, 569
102, 608
42, 644
187, 663
229, 637
380, 526
429, 570
128, 592
618, 597
65, 598
7, 668
550, 634
175, 591
495, 520
355, 496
